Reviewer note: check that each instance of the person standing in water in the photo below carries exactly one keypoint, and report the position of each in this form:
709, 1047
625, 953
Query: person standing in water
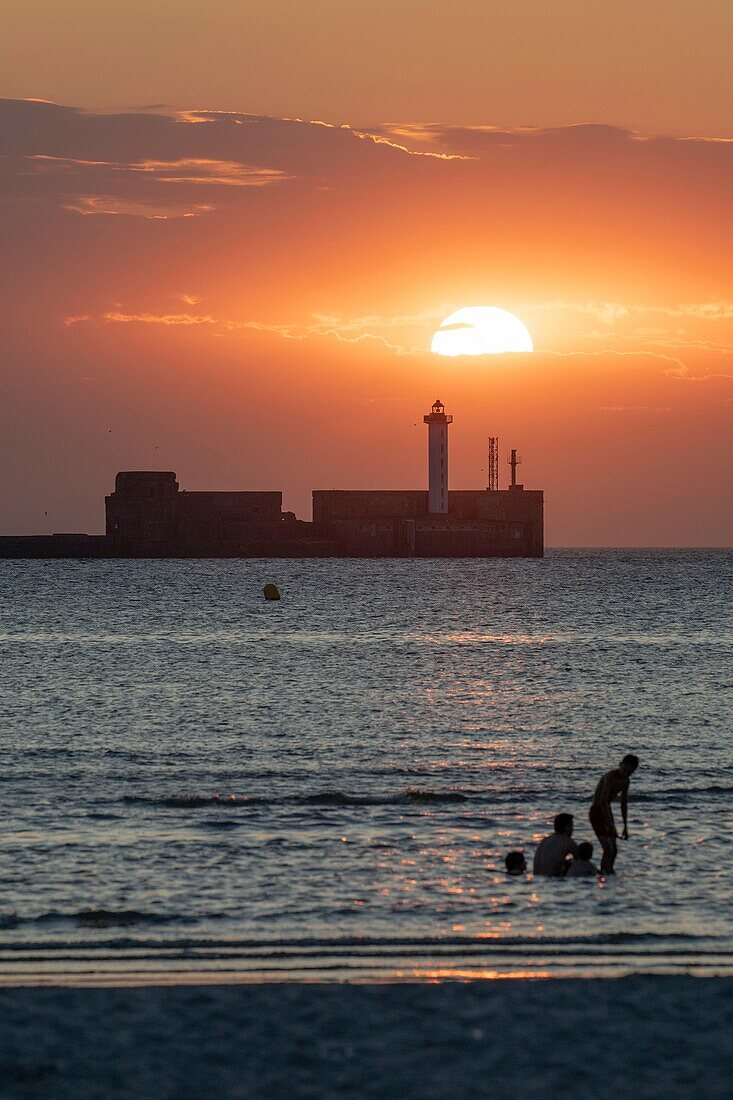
611, 785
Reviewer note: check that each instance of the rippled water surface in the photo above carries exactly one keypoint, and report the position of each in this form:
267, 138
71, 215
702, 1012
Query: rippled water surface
195, 780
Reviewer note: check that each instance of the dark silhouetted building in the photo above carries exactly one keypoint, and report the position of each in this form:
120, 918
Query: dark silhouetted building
476, 524
149, 516
147, 513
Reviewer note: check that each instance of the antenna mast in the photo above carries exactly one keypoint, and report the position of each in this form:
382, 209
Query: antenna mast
493, 463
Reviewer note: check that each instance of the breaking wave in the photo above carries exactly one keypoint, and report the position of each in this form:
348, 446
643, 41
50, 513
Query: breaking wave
409, 797
104, 918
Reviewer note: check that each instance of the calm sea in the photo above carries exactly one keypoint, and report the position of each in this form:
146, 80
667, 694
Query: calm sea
197, 782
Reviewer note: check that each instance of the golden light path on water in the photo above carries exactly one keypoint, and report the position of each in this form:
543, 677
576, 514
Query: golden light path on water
345, 808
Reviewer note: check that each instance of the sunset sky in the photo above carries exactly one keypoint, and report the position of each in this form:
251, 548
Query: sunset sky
231, 229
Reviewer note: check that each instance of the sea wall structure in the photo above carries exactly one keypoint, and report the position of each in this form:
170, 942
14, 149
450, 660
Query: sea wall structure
475, 524
149, 516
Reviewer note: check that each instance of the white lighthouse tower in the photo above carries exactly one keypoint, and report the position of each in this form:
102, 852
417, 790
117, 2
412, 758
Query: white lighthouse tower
437, 423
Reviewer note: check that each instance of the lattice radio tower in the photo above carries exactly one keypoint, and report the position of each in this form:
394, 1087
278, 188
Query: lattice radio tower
493, 462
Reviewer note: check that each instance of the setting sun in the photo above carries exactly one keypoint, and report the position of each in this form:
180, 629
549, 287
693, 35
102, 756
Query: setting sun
481, 330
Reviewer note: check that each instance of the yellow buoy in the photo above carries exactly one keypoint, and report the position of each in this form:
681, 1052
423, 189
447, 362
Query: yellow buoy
271, 591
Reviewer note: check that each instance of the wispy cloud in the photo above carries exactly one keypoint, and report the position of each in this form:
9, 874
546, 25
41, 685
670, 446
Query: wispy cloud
190, 170
147, 188
169, 320
677, 365
607, 312
109, 204
355, 331
636, 408
676, 368
408, 334
611, 312
379, 139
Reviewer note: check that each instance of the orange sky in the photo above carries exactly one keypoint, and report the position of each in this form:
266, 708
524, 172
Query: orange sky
662, 66
249, 300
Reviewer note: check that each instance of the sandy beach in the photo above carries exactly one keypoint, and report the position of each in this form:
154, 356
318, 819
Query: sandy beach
636, 1037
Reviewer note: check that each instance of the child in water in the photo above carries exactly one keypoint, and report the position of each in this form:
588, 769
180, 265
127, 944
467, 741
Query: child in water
515, 863
581, 866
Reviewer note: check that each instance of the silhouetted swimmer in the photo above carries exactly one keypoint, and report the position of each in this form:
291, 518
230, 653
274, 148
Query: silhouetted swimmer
611, 785
551, 855
515, 863
581, 866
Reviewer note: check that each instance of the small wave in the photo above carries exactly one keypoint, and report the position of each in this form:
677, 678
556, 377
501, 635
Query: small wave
410, 796
111, 918
108, 918
656, 942
338, 798
429, 797
45, 752
681, 792
104, 918
194, 801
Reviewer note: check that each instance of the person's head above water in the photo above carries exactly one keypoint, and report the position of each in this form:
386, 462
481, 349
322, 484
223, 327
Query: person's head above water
585, 850
629, 764
515, 863
564, 824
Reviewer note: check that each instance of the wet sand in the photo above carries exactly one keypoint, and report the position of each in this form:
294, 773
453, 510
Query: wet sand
639, 1037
